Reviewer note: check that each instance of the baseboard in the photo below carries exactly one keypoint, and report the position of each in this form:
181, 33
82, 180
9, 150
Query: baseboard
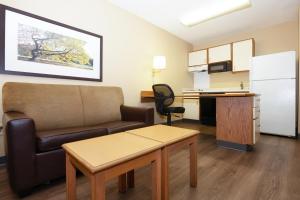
165, 123
2, 160
191, 120
283, 136
234, 146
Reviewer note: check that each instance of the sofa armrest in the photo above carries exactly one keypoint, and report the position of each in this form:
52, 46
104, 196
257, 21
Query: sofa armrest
141, 114
19, 134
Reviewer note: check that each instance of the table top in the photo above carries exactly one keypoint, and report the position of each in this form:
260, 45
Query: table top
102, 152
165, 134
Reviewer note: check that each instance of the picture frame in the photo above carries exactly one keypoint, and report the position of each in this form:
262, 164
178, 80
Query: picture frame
32, 45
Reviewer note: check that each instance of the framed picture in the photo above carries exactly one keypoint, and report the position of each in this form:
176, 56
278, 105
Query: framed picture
35, 46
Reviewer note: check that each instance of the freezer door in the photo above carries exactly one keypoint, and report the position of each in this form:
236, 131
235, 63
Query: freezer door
277, 106
274, 66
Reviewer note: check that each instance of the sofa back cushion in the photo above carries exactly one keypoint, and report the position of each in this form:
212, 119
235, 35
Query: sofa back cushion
101, 104
63, 106
50, 106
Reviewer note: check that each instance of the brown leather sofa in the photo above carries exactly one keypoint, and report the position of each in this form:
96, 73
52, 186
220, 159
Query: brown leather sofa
39, 118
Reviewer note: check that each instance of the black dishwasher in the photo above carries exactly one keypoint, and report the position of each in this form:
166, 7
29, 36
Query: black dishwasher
208, 110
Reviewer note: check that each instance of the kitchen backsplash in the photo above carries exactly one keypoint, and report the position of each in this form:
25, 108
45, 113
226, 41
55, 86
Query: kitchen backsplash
229, 80
201, 80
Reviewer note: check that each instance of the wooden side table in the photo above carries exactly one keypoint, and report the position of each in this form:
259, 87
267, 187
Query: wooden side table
103, 158
173, 138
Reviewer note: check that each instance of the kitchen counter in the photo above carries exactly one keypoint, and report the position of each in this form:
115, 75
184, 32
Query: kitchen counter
238, 123
148, 96
231, 94
237, 115
217, 90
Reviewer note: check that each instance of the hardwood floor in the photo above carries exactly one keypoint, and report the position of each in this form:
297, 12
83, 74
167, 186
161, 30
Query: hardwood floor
207, 130
270, 172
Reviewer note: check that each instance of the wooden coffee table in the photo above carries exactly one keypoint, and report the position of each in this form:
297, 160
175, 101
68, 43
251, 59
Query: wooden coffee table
173, 138
103, 158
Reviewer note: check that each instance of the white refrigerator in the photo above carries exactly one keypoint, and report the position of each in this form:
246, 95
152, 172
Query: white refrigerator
274, 78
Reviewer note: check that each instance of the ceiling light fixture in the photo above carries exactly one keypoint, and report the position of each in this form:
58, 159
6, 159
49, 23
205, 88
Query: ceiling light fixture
215, 9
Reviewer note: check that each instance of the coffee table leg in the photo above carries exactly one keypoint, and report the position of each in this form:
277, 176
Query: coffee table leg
97, 186
122, 183
156, 177
193, 163
70, 179
130, 178
165, 173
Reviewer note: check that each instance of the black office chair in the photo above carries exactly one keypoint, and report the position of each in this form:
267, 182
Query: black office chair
164, 97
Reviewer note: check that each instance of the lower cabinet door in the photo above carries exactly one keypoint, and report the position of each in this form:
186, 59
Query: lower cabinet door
192, 109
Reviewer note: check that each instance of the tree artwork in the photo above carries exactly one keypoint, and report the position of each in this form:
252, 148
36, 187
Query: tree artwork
41, 46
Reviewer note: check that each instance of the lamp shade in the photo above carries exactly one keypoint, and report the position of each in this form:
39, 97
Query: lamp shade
159, 62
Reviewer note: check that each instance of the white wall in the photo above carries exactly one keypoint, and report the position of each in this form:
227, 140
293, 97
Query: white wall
277, 38
129, 46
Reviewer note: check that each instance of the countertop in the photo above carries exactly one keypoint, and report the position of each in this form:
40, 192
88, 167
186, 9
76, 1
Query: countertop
149, 95
229, 94
217, 90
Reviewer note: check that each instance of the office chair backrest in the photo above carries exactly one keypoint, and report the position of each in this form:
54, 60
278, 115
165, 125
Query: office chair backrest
164, 96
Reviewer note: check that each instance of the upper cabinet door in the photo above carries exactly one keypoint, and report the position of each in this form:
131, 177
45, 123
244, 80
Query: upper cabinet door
219, 53
197, 58
242, 52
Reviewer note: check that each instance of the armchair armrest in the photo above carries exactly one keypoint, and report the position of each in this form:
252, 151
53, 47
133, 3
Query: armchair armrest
19, 134
141, 114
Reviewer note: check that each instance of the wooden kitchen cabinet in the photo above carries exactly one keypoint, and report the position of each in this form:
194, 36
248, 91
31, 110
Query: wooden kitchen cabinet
192, 108
237, 122
242, 52
219, 53
198, 58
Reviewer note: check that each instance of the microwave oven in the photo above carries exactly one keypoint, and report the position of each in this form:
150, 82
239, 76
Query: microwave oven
223, 66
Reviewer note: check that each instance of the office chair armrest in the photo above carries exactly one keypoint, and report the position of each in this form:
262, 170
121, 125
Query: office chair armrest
141, 114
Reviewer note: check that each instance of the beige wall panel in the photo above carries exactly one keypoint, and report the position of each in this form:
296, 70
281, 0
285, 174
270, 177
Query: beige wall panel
129, 46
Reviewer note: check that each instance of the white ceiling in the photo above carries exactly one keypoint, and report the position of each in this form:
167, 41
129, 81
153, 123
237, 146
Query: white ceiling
166, 14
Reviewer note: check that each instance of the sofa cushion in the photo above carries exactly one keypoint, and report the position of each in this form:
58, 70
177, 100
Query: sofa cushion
120, 126
50, 106
51, 140
101, 104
